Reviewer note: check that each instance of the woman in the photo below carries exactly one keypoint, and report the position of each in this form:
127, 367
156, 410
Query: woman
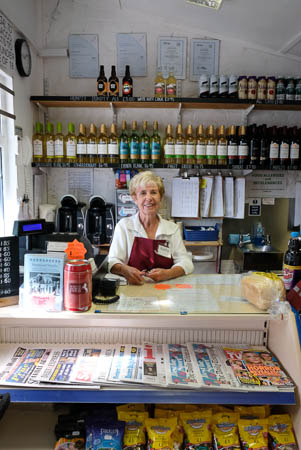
145, 244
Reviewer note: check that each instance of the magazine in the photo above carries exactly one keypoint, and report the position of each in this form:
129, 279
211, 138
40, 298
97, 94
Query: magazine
179, 366
257, 367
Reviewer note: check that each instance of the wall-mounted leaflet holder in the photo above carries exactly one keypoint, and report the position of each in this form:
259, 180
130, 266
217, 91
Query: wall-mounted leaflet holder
185, 196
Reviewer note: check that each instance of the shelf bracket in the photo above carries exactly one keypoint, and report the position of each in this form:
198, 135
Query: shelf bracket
245, 114
114, 114
179, 116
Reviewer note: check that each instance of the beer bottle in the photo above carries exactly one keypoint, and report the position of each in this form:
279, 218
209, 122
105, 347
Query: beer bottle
113, 83
102, 84
127, 83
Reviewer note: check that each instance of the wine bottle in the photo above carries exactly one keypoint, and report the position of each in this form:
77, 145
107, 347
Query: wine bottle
113, 146
201, 143
254, 145
284, 148
294, 148
38, 144
81, 148
49, 142
155, 145
190, 146
102, 145
92, 145
222, 146
124, 148
70, 143
134, 144
211, 146
274, 147
264, 146
59, 144
180, 145
169, 146
232, 149
145, 144
243, 146
127, 83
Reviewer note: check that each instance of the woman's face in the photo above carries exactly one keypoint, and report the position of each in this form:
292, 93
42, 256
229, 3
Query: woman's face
147, 198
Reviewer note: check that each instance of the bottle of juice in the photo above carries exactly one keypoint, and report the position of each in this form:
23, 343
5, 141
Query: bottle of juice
155, 145
38, 144
171, 86
160, 85
145, 144
59, 155
201, 143
113, 146
169, 146
124, 149
102, 145
190, 146
81, 149
134, 144
92, 145
70, 143
49, 142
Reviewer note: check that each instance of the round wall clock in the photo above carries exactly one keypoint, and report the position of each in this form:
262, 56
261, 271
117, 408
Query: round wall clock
23, 57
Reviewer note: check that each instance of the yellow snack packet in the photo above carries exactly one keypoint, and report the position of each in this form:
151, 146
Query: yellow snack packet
160, 433
134, 432
179, 432
253, 433
131, 407
251, 412
225, 430
197, 428
281, 431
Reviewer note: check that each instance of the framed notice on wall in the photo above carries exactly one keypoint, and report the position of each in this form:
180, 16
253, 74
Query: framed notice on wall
7, 46
131, 51
204, 57
172, 56
83, 55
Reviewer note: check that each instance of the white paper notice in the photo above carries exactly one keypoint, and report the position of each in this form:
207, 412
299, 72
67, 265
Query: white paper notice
206, 196
228, 197
131, 50
239, 198
80, 183
83, 52
217, 203
172, 56
185, 197
297, 217
204, 57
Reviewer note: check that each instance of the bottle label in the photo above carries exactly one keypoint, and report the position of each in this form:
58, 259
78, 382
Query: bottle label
291, 276
232, 85
101, 87
190, 149
171, 89
145, 149
92, 149
81, 149
50, 149
274, 150
156, 150
169, 149
135, 150
223, 85
179, 149
243, 89
114, 88
71, 149
222, 151
37, 147
271, 86
159, 89
294, 151
127, 88
284, 149
210, 150
200, 150
204, 85
124, 150
113, 148
102, 148
243, 150
58, 148
232, 150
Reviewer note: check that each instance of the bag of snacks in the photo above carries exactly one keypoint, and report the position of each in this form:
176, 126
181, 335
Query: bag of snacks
281, 433
225, 430
253, 433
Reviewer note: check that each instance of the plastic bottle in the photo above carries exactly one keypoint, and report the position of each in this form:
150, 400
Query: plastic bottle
292, 262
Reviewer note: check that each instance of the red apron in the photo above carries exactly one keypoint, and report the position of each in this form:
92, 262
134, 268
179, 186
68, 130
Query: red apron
144, 254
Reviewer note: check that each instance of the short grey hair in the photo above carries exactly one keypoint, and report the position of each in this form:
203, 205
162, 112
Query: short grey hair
142, 179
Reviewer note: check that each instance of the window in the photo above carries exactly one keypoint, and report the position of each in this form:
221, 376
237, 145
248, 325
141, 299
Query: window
8, 150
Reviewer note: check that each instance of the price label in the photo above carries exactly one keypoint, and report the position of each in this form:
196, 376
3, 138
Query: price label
9, 266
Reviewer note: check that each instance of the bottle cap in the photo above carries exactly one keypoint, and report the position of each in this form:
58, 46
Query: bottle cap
39, 127
189, 129
71, 127
103, 129
200, 130
59, 127
124, 124
92, 129
49, 127
82, 128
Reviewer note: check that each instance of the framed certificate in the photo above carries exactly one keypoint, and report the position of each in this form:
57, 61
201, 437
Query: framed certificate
204, 57
172, 56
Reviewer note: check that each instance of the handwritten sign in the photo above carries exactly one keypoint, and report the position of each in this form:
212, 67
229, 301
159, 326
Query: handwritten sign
9, 266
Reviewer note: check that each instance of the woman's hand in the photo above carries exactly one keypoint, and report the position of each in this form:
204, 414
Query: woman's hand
133, 275
165, 274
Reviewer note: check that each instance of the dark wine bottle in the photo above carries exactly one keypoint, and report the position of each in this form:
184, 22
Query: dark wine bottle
127, 83
113, 83
274, 147
264, 146
254, 145
284, 147
294, 147
102, 84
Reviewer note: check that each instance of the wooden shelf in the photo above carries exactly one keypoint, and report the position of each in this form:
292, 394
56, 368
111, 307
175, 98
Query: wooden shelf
203, 243
152, 102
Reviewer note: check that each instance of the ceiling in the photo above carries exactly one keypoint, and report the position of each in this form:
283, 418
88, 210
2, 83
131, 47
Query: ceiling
273, 25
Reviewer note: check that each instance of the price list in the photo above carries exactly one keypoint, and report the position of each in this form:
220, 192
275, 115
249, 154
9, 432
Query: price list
9, 266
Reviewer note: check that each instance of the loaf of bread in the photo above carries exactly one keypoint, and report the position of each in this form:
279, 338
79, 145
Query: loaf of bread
261, 289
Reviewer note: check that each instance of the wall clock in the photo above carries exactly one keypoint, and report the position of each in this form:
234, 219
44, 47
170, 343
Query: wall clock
23, 57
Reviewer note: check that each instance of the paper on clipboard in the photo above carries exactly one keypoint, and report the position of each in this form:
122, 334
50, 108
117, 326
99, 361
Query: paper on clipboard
206, 196
185, 197
217, 202
239, 198
228, 197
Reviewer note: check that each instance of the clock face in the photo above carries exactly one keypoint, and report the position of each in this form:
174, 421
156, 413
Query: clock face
23, 57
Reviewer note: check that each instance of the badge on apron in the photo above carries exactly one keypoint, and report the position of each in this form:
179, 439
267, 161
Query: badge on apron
163, 251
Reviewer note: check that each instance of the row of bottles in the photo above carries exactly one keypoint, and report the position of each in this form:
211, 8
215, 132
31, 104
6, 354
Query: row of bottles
165, 87
111, 87
236, 145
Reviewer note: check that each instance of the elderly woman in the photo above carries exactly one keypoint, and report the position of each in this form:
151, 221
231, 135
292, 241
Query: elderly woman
146, 244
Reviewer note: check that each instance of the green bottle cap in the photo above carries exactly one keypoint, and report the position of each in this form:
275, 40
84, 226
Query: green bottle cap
49, 127
59, 127
71, 128
39, 128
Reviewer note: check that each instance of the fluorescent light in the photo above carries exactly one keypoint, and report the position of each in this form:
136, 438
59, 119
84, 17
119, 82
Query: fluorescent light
214, 4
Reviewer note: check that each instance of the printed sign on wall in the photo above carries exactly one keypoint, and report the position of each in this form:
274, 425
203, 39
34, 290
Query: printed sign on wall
7, 51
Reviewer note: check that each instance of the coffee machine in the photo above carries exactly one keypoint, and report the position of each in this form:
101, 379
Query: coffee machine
70, 215
99, 221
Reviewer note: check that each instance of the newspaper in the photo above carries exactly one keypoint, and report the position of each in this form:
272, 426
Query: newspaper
131, 369
179, 367
92, 365
154, 371
116, 365
59, 366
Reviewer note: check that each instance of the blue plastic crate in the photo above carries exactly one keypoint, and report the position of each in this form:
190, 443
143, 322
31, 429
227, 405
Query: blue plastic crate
201, 234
